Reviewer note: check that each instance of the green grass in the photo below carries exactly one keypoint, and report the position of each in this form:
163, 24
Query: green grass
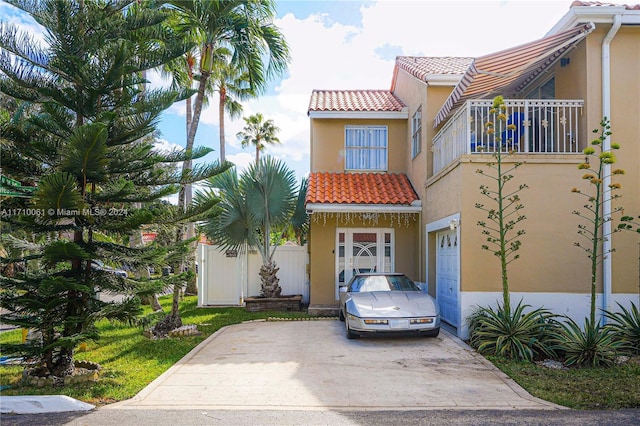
602, 388
129, 360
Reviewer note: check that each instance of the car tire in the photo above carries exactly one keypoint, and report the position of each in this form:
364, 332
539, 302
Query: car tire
341, 315
432, 333
350, 334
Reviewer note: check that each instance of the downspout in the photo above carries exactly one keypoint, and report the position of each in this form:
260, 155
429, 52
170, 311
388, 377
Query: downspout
606, 205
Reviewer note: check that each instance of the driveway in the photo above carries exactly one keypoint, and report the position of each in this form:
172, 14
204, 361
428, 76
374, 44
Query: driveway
307, 365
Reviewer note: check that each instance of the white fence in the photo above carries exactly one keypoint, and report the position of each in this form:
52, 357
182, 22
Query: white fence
226, 278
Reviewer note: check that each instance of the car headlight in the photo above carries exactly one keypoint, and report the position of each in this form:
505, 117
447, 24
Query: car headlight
376, 321
421, 320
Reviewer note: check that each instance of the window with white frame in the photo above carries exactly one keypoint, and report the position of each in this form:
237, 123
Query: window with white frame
416, 133
366, 147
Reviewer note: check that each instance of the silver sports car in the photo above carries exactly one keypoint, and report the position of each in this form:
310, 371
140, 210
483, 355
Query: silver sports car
387, 303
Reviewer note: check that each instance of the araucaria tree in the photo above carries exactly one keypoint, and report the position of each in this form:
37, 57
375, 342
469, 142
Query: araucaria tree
593, 218
92, 134
504, 214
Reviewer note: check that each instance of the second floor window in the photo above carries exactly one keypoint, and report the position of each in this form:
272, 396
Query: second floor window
416, 133
366, 147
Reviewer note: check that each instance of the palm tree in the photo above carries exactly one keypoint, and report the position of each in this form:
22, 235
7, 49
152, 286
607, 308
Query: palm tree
258, 133
246, 28
232, 86
252, 207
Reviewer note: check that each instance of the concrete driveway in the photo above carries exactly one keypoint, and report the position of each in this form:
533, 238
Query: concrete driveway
302, 365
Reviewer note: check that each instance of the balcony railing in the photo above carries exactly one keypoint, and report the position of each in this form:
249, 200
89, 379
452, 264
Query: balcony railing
541, 127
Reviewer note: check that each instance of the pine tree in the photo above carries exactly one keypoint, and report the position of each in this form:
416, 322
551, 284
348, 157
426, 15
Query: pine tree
100, 176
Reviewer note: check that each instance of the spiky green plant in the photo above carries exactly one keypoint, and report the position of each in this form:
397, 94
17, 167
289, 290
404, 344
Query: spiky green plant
594, 345
625, 325
512, 334
261, 201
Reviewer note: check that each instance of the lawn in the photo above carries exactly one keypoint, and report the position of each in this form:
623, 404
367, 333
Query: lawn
129, 360
580, 388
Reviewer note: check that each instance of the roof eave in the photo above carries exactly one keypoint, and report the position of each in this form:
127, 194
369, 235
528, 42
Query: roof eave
597, 14
371, 115
443, 79
415, 207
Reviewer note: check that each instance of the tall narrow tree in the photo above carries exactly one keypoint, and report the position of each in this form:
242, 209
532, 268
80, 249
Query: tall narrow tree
246, 28
92, 133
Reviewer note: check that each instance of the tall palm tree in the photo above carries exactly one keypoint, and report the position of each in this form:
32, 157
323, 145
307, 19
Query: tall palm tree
232, 85
246, 28
261, 201
259, 133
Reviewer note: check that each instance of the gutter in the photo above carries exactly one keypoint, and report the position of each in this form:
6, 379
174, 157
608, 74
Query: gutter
606, 205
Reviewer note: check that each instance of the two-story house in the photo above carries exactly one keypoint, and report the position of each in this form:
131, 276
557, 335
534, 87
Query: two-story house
394, 182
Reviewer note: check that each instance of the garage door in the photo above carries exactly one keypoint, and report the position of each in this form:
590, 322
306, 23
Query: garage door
447, 270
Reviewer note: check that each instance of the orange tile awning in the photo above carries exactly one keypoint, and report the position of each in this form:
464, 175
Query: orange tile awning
360, 188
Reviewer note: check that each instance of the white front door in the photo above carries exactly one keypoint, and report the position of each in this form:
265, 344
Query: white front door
362, 250
447, 254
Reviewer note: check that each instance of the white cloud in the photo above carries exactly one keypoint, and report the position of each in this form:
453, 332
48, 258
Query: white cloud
241, 160
163, 145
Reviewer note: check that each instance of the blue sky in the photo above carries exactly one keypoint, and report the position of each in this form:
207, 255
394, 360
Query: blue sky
352, 45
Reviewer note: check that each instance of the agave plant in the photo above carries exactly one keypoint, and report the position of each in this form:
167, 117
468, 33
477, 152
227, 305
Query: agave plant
593, 346
512, 333
626, 327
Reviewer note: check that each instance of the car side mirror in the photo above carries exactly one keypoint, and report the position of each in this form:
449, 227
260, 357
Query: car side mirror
343, 289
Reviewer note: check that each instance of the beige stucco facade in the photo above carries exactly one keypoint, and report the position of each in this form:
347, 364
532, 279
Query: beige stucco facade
322, 249
550, 264
328, 142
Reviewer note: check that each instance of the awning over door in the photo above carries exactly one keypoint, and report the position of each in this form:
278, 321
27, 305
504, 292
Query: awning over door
510, 71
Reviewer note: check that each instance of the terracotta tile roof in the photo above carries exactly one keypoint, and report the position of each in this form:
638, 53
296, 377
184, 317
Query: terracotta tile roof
421, 66
354, 100
360, 188
597, 3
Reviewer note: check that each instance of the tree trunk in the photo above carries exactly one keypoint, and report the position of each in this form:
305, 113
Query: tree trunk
270, 281
223, 98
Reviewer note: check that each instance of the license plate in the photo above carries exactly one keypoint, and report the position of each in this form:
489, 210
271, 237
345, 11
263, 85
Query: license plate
399, 323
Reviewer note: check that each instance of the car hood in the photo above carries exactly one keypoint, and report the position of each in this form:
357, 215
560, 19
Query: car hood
392, 304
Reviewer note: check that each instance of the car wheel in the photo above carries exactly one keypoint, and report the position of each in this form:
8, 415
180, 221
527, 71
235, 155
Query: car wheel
341, 315
432, 333
350, 334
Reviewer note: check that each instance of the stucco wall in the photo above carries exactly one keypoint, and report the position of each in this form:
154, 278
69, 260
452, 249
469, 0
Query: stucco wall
549, 260
418, 94
328, 144
322, 247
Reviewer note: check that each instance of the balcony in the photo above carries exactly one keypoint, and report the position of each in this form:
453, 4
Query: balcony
541, 127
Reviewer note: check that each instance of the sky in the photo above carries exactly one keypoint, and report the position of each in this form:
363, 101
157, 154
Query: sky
352, 44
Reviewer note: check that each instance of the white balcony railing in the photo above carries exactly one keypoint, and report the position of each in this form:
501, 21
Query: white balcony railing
541, 127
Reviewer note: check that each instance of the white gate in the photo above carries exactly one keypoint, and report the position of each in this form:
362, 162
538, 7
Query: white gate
226, 277
447, 275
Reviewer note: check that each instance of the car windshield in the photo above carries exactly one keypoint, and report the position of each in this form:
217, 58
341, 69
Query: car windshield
382, 283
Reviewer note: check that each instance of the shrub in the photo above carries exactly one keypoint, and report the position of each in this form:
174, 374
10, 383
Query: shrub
512, 334
626, 327
594, 346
